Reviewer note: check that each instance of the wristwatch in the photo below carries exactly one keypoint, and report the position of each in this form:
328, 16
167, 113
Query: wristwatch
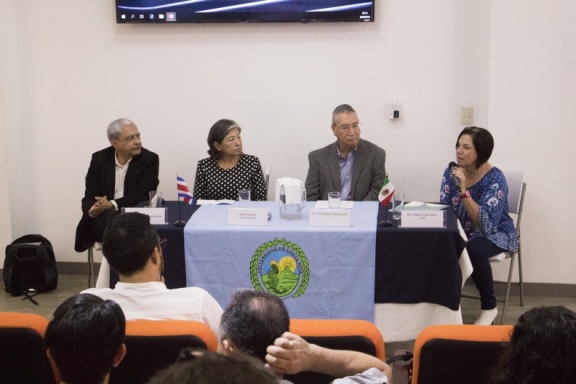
465, 194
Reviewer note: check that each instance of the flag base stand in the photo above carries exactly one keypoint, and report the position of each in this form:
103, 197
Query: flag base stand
385, 222
179, 223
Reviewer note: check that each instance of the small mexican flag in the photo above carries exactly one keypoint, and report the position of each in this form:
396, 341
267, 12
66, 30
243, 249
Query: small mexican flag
386, 192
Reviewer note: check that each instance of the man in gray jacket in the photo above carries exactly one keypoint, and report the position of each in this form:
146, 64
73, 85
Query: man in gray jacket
352, 166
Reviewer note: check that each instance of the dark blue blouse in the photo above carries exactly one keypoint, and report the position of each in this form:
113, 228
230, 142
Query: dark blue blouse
491, 195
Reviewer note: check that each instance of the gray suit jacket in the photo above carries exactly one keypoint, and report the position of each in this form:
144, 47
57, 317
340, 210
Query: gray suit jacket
368, 172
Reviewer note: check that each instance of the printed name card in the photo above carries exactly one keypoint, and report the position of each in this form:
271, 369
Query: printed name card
423, 219
158, 216
330, 217
248, 216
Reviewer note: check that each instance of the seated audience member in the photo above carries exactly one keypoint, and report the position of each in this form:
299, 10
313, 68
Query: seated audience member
353, 166
84, 339
291, 354
202, 367
257, 323
228, 169
479, 194
132, 247
542, 349
119, 176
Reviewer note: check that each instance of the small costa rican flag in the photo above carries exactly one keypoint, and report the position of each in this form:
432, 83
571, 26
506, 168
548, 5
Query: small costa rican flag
183, 191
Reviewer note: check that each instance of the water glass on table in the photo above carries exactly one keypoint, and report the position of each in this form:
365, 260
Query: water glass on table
397, 205
244, 195
334, 200
155, 199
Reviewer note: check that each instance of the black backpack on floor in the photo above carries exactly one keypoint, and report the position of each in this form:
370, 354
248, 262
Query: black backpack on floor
30, 266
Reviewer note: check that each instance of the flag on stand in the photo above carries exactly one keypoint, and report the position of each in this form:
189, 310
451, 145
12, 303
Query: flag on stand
386, 192
183, 191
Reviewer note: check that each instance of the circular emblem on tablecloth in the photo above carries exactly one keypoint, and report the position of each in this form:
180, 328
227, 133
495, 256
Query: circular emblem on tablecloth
281, 268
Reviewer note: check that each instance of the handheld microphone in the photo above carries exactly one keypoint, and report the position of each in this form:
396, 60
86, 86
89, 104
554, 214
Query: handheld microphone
455, 180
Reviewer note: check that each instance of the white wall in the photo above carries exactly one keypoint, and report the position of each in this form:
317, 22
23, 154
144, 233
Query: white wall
72, 70
533, 114
7, 65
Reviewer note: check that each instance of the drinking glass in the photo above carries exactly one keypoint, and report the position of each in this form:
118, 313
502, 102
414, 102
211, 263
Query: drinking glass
244, 195
334, 199
397, 205
155, 199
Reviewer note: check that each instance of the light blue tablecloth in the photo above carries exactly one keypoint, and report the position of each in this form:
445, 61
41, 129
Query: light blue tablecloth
320, 272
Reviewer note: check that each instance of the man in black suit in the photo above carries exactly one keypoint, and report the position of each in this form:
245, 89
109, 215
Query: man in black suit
119, 176
351, 166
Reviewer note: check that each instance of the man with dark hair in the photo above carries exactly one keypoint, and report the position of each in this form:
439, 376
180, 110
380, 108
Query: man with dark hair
119, 176
133, 248
203, 367
352, 166
257, 323
84, 339
252, 321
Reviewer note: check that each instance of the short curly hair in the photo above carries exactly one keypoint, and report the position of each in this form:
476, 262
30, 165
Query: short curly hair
542, 348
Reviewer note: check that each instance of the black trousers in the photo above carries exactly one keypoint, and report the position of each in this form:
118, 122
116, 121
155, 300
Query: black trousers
480, 250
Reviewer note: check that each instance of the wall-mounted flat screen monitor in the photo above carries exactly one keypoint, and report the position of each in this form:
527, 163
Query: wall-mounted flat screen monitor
237, 11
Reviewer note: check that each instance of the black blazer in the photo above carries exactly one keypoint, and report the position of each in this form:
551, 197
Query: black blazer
141, 178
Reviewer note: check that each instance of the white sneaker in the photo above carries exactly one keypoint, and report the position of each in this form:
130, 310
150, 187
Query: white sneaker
487, 317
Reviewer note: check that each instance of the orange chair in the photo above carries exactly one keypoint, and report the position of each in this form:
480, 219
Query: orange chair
355, 335
22, 347
155, 344
458, 353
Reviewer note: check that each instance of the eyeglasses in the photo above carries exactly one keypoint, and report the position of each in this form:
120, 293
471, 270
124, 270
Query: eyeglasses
162, 243
131, 138
343, 128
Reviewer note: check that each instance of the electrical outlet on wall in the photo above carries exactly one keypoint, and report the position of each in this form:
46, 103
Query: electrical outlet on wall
467, 115
395, 109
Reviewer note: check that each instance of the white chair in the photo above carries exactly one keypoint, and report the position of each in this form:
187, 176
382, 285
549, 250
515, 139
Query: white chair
91, 275
517, 182
267, 171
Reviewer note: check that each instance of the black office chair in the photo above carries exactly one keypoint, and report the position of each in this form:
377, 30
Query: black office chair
23, 356
458, 353
153, 345
353, 335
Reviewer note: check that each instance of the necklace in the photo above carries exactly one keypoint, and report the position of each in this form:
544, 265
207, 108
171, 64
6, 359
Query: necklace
476, 172
473, 174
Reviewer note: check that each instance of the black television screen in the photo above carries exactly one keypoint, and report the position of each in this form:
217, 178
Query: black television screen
198, 11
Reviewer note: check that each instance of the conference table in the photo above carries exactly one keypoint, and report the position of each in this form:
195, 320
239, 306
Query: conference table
417, 277
322, 272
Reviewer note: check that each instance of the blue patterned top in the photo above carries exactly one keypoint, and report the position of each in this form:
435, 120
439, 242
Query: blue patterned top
491, 195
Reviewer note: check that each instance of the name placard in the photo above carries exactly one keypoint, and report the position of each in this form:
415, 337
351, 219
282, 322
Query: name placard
158, 216
330, 217
423, 219
248, 216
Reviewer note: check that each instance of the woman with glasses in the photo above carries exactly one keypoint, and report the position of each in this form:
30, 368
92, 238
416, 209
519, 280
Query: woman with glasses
228, 169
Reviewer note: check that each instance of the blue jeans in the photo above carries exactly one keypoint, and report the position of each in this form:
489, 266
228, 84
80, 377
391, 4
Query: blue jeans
480, 250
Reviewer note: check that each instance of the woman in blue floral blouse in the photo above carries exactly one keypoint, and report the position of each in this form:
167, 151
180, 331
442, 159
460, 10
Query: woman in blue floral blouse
481, 203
